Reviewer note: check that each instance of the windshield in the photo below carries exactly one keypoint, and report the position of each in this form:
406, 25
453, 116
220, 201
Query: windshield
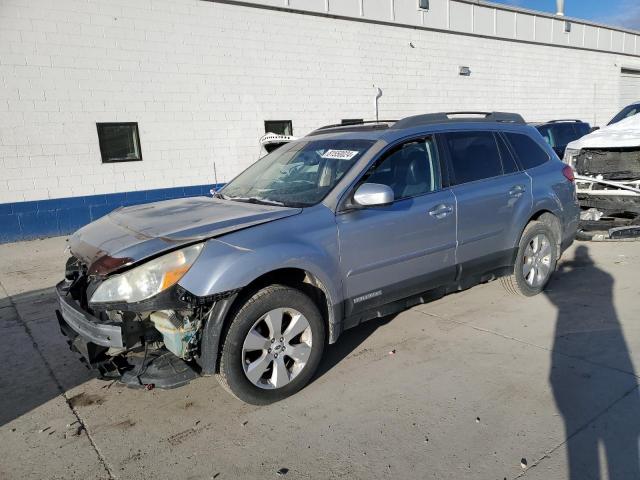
624, 113
298, 174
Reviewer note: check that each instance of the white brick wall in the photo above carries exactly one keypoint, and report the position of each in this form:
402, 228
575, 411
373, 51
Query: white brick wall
200, 78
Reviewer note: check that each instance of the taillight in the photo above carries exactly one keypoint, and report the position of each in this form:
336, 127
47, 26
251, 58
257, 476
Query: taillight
568, 173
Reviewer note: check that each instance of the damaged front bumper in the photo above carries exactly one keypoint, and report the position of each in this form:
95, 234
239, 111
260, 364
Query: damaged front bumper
132, 350
611, 208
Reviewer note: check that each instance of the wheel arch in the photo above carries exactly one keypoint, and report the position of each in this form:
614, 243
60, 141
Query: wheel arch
296, 277
551, 219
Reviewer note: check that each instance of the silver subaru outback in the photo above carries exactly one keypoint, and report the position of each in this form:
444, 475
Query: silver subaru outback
347, 224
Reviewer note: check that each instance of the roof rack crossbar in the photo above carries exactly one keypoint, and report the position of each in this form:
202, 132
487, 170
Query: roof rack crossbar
351, 124
353, 127
442, 117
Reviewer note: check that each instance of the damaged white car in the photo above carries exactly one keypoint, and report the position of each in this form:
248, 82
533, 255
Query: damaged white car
607, 172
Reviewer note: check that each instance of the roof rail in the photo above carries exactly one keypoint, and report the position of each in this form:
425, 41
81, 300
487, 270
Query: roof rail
565, 120
353, 127
443, 117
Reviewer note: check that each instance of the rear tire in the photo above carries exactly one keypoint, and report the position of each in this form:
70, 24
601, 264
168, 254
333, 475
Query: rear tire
273, 346
535, 262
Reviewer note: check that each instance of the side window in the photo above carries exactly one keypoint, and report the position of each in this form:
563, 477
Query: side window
508, 162
582, 129
565, 133
474, 156
527, 150
410, 169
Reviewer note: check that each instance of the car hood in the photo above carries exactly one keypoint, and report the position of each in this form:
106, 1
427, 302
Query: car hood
624, 134
131, 234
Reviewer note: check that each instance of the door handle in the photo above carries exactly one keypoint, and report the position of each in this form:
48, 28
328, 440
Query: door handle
516, 191
441, 211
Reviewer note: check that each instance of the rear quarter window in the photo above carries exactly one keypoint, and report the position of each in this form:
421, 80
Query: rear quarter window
529, 153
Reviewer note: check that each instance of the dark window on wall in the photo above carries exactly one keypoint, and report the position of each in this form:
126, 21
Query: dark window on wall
279, 127
351, 121
119, 142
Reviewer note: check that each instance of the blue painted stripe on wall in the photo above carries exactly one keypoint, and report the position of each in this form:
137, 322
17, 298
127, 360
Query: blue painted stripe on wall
62, 216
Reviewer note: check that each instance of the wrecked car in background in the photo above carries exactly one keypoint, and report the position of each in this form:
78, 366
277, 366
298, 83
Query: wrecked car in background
271, 141
607, 166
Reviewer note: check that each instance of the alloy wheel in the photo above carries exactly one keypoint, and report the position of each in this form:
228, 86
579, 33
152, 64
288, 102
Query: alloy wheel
277, 348
536, 262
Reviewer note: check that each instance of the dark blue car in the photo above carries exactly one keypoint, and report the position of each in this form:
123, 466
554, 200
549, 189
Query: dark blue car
559, 133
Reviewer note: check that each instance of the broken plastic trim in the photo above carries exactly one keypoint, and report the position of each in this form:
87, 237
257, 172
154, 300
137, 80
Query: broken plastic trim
585, 185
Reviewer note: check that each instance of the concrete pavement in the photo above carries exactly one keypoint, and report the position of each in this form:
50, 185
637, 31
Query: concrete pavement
480, 381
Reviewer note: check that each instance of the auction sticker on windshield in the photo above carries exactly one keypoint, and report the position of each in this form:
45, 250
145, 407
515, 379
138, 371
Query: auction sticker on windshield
340, 154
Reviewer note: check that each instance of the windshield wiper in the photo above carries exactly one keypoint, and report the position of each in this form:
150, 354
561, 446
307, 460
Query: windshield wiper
260, 201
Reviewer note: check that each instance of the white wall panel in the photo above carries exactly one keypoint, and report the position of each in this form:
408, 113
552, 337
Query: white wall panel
345, 7
560, 37
313, 5
437, 15
617, 41
505, 26
604, 39
377, 9
525, 26
590, 37
543, 29
483, 20
576, 36
629, 43
406, 11
460, 16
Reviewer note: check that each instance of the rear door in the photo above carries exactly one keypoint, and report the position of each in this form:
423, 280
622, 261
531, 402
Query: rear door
394, 251
490, 191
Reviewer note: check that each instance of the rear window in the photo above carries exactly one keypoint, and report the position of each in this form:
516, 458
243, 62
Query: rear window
527, 150
474, 156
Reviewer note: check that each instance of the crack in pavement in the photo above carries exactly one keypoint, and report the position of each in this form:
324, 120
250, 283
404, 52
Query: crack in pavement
606, 409
61, 389
548, 453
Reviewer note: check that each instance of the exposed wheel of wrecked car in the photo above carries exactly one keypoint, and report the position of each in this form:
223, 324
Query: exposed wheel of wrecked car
273, 346
535, 261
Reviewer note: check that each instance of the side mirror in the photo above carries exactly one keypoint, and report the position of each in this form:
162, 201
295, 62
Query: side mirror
373, 194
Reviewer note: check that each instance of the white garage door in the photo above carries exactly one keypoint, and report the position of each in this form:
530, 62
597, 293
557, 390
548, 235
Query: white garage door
629, 87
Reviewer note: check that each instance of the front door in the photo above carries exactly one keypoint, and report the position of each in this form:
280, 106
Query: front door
407, 247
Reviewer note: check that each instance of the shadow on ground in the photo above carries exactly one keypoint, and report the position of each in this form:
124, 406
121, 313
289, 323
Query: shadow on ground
593, 334
31, 350
349, 341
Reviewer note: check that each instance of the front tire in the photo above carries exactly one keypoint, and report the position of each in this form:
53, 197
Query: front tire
273, 346
535, 262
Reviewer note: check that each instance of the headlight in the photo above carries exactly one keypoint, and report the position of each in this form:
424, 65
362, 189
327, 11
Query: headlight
570, 155
148, 279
